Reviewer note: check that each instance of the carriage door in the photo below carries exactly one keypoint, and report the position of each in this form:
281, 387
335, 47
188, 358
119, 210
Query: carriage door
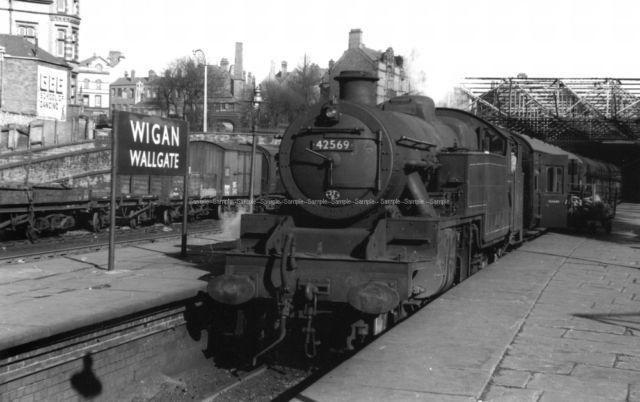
553, 191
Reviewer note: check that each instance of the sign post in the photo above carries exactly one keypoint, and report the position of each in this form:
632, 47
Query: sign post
112, 204
148, 145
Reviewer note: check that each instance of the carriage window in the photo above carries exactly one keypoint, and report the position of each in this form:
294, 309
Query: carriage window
555, 179
559, 186
551, 179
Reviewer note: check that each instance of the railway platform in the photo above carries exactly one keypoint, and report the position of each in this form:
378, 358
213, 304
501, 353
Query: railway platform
65, 317
557, 319
43, 298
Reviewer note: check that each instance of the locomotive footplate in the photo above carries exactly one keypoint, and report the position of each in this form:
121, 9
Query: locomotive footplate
371, 286
373, 270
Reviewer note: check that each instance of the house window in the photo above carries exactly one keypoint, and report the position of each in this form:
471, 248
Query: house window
74, 44
98, 101
28, 31
62, 35
86, 83
85, 100
62, 5
120, 92
98, 84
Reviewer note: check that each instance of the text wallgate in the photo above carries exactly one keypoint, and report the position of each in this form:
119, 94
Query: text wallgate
151, 145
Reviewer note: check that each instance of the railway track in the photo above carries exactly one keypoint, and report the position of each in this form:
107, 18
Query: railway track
18, 252
280, 380
237, 382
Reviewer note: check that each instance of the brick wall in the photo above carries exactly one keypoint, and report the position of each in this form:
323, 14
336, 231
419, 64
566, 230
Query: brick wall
103, 363
20, 80
55, 167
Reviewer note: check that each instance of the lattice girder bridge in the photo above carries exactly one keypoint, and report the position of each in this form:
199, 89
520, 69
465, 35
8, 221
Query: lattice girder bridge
560, 110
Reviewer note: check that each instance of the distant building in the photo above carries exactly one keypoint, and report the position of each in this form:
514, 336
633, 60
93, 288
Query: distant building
94, 77
35, 97
230, 90
53, 25
386, 66
135, 94
34, 83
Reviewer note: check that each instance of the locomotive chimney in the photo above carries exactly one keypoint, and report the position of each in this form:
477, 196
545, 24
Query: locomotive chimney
358, 87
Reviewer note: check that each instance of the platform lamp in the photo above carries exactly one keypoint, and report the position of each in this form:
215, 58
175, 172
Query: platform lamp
204, 106
255, 116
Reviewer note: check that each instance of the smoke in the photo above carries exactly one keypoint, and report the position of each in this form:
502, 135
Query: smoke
230, 224
430, 79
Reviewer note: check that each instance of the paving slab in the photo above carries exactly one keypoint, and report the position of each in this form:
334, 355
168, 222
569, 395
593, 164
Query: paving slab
49, 297
556, 319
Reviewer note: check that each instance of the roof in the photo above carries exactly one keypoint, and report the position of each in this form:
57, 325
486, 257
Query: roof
129, 81
270, 148
560, 108
374, 55
231, 145
18, 46
88, 61
541, 146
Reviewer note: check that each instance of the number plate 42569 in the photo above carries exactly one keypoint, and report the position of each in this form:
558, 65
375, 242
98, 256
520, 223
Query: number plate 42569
333, 144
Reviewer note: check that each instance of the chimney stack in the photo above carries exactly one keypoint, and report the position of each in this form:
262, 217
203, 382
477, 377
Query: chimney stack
133, 75
272, 70
114, 57
355, 38
238, 68
224, 64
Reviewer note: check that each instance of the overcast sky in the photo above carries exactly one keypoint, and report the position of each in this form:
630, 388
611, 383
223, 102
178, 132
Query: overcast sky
446, 39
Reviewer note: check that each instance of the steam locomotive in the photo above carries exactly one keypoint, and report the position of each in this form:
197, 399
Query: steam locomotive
388, 205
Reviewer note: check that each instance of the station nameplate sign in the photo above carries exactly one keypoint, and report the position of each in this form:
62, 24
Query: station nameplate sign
150, 145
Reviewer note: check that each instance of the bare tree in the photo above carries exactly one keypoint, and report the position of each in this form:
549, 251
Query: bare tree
290, 94
180, 88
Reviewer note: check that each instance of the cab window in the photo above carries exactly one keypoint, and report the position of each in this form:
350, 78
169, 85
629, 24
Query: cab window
491, 142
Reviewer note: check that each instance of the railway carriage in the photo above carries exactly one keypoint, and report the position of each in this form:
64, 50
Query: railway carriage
546, 171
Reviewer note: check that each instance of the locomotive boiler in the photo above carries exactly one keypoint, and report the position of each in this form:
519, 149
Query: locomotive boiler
387, 206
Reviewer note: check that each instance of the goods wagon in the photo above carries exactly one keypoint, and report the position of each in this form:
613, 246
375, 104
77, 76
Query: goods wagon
76, 180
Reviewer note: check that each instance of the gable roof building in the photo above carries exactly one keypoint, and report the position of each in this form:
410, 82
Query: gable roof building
34, 83
135, 94
386, 66
94, 76
52, 24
